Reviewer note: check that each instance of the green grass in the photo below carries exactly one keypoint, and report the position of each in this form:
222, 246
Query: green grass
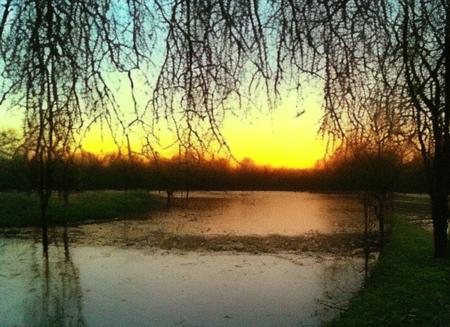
408, 287
19, 210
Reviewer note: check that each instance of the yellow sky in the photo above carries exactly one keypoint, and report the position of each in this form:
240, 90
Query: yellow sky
269, 137
277, 138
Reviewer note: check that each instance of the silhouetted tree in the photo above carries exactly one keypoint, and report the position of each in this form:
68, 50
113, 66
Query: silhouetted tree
396, 53
55, 56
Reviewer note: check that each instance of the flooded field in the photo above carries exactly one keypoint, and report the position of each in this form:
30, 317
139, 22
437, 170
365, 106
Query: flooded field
263, 213
223, 259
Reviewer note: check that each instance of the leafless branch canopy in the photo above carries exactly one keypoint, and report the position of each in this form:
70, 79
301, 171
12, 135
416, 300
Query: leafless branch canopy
381, 63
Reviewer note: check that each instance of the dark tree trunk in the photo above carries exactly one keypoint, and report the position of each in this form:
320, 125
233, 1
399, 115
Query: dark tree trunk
66, 244
366, 203
441, 167
379, 208
381, 216
439, 214
66, 197
44, 223
169, 197
65, 183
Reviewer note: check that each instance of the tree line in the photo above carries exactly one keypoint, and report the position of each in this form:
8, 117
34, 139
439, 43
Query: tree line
87, 171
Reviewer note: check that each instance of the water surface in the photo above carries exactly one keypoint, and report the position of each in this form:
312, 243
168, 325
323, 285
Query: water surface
262, 213
88, 281
105, 286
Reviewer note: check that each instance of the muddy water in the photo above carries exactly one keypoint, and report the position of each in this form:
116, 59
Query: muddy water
263, 213
122, 274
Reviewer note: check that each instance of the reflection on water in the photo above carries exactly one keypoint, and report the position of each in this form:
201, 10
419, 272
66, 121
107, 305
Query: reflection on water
36, 291
106, 286
263, 213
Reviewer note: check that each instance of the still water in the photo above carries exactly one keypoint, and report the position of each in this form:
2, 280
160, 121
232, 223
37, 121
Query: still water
263, 213
92, 284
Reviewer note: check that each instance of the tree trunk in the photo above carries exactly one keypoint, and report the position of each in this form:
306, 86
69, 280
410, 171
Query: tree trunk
439, 214
441, 173
381, 215
366, 236
44, 222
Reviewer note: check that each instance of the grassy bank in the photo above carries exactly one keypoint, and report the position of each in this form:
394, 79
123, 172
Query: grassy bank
18, 210
407, 287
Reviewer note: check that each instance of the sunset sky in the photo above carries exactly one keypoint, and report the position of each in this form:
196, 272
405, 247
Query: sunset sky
277, 138
269, 137
274, 137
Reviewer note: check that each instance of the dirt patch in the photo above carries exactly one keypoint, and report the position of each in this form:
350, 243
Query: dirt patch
338, 243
